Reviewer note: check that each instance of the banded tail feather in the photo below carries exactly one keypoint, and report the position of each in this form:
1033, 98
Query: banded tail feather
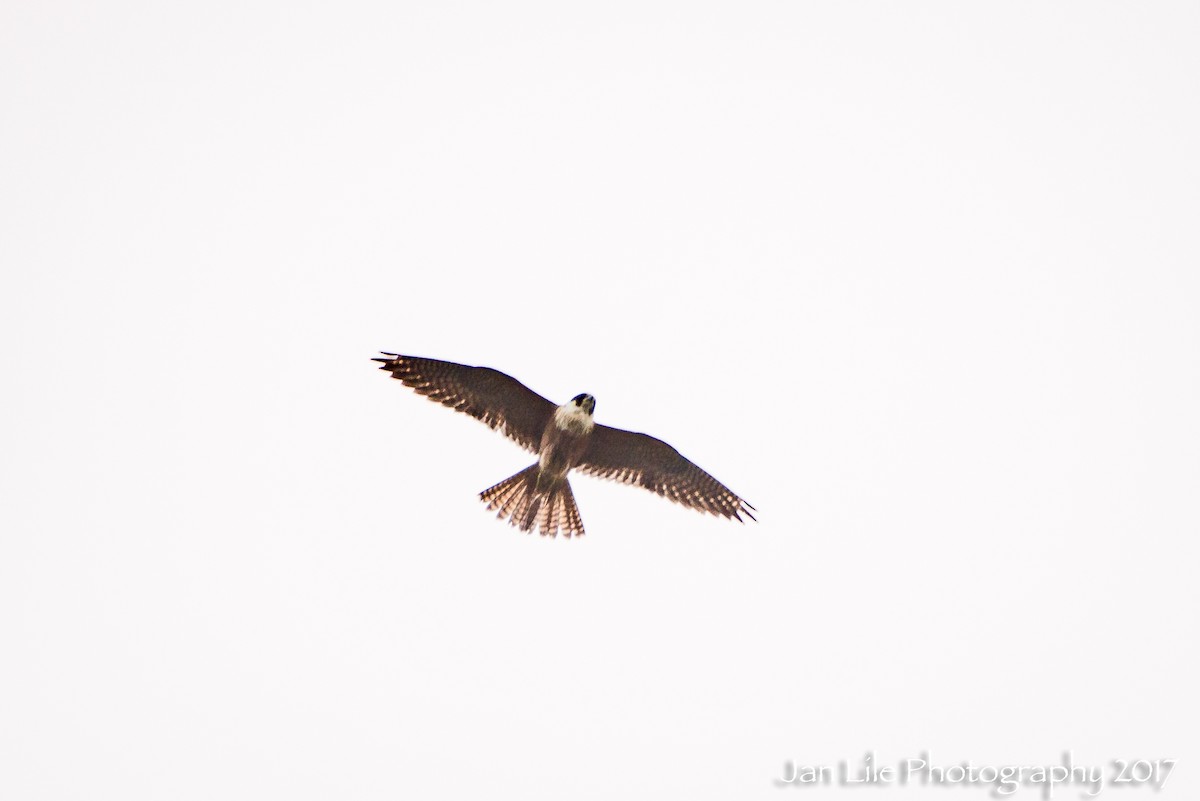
532, 499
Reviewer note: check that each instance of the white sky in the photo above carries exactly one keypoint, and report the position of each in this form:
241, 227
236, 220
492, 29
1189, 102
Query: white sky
919, 280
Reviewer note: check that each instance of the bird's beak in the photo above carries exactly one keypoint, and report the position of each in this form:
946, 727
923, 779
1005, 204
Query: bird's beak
591, 405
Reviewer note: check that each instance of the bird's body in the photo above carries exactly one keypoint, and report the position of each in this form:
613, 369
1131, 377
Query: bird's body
564, 437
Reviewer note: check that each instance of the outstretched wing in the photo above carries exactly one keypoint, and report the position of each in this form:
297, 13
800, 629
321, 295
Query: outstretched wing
647, 462
501, 401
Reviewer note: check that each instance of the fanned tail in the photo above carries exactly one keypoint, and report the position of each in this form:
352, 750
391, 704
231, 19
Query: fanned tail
549, 508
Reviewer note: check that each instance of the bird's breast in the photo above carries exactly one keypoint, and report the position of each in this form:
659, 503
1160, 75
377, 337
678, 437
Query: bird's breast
562, 447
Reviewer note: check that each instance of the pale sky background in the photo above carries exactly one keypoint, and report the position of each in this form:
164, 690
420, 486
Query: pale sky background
919, 280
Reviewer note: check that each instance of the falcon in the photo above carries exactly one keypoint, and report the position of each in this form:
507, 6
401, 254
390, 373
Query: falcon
564, 438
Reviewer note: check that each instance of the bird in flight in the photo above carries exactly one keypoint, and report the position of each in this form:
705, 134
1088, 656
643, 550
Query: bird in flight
563, 438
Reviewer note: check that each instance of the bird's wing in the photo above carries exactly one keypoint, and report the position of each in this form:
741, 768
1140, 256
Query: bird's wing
647, 462
499, 400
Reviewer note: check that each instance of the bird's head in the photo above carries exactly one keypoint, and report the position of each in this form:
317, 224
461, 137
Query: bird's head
585, 401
